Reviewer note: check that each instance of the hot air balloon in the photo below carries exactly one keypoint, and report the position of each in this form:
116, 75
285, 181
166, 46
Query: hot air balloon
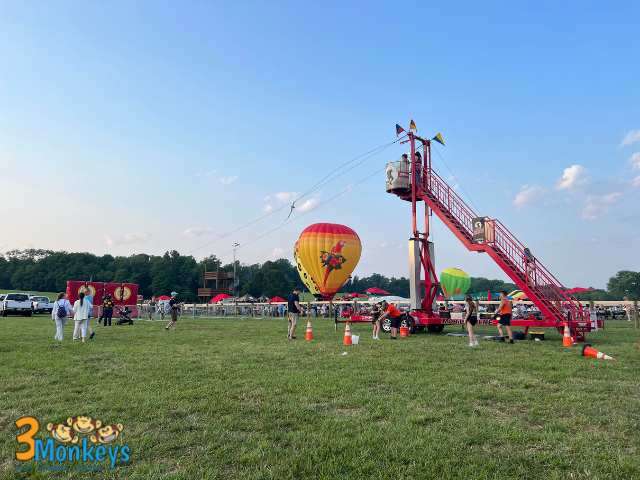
326, 254
454, 282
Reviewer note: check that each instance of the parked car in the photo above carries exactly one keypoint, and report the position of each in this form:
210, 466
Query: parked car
41, 304
16, 303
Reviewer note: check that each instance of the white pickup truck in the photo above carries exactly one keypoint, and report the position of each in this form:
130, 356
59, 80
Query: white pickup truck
41, 304
16, 303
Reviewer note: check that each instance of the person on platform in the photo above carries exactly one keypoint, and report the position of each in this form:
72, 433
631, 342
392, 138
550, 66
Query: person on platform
395, 315
81, 317
61, 311
503, 316
293, 304
107, 310
174, 307
470, 319
375, 320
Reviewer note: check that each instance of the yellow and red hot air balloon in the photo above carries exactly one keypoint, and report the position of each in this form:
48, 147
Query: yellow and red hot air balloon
326, 254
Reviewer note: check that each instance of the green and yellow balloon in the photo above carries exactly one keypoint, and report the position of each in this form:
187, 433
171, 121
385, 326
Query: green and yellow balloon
454, 282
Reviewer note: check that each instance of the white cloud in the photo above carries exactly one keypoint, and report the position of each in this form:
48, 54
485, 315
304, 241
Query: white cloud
228, 180
208, 173
197, 231
307, 205
276, 253
635, 161
572, 177
598, 205
126, 239
268, 208
630, 138
636, 182
285, 197
527, 194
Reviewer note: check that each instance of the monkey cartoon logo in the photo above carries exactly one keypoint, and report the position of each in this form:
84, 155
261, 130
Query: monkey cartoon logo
83, 424
107, 434
62, 433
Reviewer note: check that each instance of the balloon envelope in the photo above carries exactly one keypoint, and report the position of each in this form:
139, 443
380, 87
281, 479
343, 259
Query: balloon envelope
326, 254
454, 282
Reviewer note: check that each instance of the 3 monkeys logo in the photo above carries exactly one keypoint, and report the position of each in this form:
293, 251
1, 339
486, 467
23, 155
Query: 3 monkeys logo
79, 440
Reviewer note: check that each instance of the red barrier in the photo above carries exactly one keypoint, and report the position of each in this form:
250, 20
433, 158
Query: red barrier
122, 293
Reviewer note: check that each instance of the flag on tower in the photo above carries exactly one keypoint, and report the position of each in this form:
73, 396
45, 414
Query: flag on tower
412, 126
399, 129
438, 138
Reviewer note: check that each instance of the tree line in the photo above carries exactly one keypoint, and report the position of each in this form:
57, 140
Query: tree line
48, 271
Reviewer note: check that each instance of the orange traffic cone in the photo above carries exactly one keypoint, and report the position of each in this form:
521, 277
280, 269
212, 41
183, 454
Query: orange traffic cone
404, 331
567, 341
347, 334
589, 351
308, 336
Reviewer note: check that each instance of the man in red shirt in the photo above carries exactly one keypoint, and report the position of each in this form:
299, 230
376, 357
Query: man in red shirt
395, 315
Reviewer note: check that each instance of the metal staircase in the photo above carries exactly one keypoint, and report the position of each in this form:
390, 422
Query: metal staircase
526, 271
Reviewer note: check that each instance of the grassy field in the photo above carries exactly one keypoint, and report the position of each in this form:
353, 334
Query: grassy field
225, 398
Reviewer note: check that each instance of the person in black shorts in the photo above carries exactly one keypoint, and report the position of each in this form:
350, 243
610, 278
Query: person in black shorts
503, 316
174, 306
470, 319
294, 309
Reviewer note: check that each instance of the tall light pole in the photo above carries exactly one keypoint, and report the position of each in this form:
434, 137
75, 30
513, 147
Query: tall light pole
235, 279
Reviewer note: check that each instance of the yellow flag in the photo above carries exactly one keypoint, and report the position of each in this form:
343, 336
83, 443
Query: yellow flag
412, 126
438, 138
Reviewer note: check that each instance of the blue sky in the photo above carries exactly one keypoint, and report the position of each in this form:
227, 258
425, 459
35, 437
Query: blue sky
141, 127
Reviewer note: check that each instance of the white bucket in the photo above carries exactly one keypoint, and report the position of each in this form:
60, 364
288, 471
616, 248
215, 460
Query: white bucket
355, 339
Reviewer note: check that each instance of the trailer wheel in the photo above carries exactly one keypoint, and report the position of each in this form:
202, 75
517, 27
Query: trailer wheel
386, 325
435, 328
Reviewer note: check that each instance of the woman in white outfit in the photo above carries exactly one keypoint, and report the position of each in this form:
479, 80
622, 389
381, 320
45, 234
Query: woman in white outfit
61, 310
81, 317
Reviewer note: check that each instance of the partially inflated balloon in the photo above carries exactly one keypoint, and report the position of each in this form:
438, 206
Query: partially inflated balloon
326, 254
454, 282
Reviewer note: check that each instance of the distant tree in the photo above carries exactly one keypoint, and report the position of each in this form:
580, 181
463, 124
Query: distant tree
625, 283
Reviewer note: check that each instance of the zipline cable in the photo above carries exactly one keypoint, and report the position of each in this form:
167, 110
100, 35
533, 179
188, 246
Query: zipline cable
344, 191
330, 176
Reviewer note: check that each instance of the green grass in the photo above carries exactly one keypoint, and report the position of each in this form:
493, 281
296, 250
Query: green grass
225, 398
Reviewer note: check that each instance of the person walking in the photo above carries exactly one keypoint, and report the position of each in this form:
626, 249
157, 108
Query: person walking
59, 314
471, 319
81, 317
293, 304
504, 316
375, 320
107, 310
88, 297
174, 306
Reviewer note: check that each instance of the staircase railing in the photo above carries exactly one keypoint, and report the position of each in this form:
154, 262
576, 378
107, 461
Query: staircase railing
546, 291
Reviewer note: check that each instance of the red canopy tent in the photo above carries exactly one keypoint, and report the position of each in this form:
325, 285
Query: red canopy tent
219, 298
573, 291
276, 299
354, 295
163, 297
376, 291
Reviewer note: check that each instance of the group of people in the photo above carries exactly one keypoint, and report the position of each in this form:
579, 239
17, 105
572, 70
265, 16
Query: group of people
81, 312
